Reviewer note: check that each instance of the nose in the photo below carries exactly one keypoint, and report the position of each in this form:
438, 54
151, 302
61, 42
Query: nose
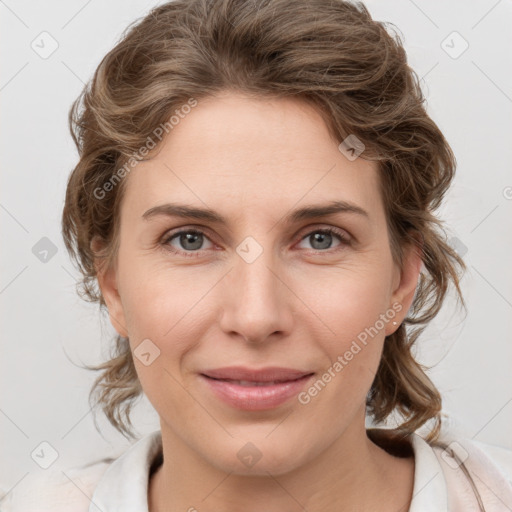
257, 303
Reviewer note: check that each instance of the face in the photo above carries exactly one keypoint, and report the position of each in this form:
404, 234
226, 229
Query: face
260, 288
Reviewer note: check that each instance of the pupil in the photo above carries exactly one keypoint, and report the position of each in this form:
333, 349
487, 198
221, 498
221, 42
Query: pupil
190, 237
322, 237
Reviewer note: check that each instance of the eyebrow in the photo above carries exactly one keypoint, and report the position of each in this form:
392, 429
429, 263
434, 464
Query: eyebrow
206, 214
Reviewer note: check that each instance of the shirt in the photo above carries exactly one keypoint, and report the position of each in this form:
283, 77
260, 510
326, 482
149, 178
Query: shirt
121, 485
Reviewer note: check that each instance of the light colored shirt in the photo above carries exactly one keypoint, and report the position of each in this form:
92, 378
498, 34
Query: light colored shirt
121, 485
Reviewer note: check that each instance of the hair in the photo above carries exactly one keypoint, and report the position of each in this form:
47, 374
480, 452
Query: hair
329, 53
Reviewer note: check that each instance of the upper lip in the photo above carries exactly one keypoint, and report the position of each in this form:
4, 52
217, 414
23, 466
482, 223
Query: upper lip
271, 373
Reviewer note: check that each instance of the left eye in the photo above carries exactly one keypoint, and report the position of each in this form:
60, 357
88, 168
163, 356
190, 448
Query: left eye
323, 238
190, 241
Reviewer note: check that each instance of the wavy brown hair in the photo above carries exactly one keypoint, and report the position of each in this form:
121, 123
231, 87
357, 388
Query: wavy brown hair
329, 53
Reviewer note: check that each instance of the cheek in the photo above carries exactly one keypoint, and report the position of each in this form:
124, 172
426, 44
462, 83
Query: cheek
158, 309
352, 307
348, 300
156, 299
353, 310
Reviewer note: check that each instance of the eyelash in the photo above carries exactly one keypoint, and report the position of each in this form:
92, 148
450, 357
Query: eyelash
191, 254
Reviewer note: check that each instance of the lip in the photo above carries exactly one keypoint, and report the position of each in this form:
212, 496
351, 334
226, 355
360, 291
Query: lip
267, 374
256, 398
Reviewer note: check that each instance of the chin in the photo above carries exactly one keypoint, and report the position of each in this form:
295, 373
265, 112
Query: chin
258, 458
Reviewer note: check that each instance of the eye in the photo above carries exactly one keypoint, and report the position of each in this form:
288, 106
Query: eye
187, 242
321, 239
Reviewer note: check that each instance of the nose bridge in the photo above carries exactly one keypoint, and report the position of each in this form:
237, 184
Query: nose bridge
256, 303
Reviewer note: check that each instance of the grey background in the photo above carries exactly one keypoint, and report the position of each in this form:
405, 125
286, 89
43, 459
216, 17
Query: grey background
46, 326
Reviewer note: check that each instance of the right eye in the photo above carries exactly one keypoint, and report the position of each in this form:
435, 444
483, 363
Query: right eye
189, 242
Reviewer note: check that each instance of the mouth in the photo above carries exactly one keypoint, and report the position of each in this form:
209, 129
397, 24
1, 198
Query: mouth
256, 393
250, 383
263, 375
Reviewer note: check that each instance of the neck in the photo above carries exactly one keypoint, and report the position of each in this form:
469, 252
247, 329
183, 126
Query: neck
353, 473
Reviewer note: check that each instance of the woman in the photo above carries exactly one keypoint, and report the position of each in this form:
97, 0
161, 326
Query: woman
254, 204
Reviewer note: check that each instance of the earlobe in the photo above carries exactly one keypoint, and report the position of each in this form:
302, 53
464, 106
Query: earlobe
107, 281
404, 292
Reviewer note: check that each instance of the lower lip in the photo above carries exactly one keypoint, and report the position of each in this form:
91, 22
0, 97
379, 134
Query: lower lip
256, 398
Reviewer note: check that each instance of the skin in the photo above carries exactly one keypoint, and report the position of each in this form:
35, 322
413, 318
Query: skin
300, 304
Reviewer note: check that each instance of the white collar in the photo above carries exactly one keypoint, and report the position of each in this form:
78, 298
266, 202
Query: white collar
124, 485
429, 491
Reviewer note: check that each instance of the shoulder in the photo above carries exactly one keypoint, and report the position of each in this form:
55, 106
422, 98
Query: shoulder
118, 483
455, 473
55, 489
475, 471
500, 456
483, 457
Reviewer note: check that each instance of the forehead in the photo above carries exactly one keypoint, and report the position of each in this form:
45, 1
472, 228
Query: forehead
262, 155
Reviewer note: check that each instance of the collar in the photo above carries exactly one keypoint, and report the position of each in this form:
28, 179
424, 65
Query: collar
124, 485
429, 491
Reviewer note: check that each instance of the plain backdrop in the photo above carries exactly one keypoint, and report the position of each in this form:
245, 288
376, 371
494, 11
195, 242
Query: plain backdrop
47, 330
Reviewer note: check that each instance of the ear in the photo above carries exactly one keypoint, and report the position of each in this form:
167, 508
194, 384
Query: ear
107, 281
405, 283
